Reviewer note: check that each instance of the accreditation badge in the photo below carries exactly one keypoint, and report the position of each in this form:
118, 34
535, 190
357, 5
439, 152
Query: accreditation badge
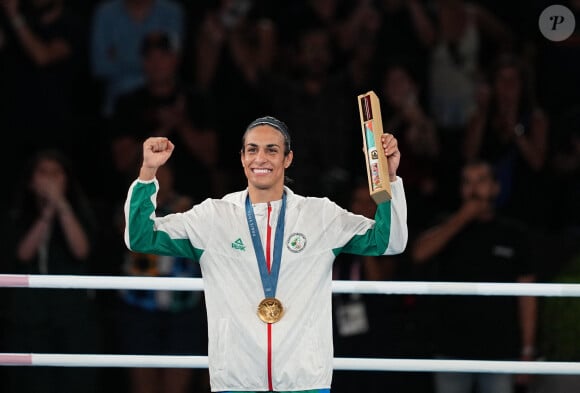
351, 318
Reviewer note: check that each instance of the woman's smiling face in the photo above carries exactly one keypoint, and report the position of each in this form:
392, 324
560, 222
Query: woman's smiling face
263, 158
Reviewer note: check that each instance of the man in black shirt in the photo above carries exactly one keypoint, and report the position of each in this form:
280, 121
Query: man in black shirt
475, 244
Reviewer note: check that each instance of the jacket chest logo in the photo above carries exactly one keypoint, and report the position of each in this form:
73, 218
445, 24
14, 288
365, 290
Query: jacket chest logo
239, 245
296, 242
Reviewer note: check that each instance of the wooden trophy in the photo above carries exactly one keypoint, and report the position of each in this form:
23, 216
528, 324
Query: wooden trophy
376, 162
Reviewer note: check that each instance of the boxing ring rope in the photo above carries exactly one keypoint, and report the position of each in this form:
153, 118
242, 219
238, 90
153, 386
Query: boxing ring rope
339, 286
362, 364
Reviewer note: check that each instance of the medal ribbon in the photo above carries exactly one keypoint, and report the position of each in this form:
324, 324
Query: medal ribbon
269, 280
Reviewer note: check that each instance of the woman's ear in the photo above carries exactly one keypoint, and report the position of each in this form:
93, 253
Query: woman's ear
288, 159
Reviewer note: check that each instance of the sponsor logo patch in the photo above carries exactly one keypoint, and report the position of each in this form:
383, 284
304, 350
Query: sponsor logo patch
239, 245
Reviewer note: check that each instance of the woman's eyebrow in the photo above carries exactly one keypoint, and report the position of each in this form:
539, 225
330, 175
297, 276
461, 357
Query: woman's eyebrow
268, 145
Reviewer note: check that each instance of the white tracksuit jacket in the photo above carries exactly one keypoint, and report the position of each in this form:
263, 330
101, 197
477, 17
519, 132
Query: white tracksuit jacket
215, 233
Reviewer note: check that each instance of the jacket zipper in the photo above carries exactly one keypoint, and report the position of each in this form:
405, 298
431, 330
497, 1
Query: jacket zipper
268, 265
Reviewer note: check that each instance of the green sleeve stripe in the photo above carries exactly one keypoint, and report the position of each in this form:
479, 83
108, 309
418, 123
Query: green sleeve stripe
143, 238
375, 241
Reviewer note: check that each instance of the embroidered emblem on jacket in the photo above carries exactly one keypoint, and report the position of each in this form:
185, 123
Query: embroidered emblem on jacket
296, 242
239, 245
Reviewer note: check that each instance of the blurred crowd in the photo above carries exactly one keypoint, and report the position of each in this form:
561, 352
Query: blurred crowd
84, 83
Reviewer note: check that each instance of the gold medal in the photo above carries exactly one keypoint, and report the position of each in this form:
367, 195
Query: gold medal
270, 310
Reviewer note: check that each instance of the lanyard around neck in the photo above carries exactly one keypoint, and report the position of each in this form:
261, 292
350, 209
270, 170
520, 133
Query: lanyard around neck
269, 280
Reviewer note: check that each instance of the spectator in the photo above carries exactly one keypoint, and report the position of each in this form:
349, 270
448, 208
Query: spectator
406, 30
163, 322
510, 131
165, 107
51, 230
476, 244
312, 98
404, 116
41, 53
466, 34
118, 29
349, 25
234, 44
371, 325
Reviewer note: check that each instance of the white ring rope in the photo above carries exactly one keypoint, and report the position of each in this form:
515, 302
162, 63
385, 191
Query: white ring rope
338, 286
366, 364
